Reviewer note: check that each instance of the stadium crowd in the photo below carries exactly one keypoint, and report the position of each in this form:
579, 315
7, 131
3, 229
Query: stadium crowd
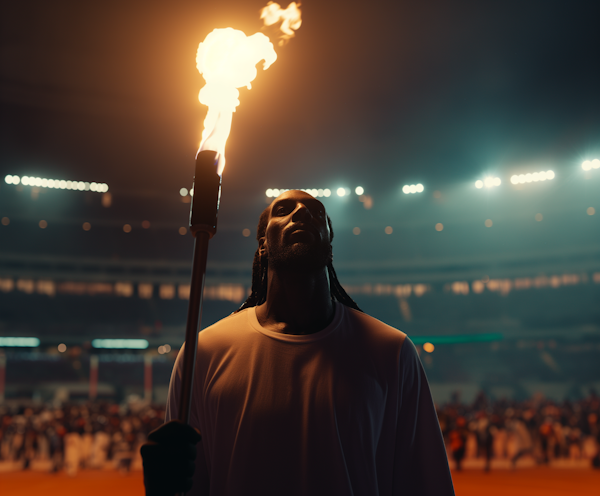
541, 429
104, 435
94, 435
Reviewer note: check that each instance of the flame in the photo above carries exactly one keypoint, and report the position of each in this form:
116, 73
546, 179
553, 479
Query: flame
227, 60
290, 19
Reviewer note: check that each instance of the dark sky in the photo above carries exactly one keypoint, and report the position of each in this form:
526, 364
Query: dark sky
378, 93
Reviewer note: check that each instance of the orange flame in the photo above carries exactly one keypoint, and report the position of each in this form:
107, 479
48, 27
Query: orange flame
227, 60
290, 18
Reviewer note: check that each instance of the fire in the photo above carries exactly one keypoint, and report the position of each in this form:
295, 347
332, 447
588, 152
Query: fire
290, 18
227, 60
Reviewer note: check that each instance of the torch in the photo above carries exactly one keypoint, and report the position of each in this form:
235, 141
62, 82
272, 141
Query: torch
203, 225
227, 60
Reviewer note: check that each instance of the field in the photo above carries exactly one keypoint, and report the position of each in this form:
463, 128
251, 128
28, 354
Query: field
523, 482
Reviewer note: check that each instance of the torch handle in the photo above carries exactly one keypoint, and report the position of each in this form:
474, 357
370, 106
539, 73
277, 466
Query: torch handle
203, 225
194, 317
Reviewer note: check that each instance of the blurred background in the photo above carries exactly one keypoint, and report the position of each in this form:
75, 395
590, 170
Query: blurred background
455, 145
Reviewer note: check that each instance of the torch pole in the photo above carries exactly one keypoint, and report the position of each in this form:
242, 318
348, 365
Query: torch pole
203, 225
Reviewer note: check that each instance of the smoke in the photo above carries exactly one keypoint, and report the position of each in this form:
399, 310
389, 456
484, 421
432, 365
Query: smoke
290, 19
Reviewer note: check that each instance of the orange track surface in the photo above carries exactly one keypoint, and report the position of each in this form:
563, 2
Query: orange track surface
525, 482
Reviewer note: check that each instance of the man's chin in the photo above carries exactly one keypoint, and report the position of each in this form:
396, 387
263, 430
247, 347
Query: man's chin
300, 257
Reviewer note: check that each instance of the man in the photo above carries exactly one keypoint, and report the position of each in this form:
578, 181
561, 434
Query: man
299, 392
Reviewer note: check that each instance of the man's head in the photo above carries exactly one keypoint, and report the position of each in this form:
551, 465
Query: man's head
296, 235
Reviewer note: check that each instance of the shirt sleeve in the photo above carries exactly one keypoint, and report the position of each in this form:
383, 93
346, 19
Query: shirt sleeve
201, 486
420, 460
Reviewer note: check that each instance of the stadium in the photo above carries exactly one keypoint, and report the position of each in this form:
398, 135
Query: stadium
462, 182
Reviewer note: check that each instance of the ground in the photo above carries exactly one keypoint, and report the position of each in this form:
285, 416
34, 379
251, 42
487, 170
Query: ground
539, 481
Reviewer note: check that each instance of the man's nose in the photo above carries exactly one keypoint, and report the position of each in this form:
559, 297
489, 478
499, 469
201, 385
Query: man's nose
302, 212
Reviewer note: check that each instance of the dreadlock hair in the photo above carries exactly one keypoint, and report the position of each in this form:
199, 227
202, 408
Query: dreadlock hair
260, 268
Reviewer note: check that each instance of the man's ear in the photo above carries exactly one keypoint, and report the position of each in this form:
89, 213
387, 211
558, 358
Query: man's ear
262, 247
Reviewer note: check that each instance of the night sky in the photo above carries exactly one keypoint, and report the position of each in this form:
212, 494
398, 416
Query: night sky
373, 93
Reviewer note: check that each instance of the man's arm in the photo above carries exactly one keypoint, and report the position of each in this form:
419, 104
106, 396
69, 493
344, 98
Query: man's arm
421, 463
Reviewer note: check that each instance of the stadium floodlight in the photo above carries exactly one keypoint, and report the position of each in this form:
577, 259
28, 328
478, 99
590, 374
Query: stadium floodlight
20, 342
317, 193
120, 344
532, 177
408, 189
488, 182
183, 191
590, 164
359, 190
41, 182
10, 179
341, 192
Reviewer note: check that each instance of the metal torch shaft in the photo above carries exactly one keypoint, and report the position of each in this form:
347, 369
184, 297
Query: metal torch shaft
203, 224
194, 318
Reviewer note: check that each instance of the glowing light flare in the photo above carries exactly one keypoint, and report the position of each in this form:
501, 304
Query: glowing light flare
290, 18
428, 347
533, 177
590, 164
317, 193
408, 189
41, 182
227, 60
488, 182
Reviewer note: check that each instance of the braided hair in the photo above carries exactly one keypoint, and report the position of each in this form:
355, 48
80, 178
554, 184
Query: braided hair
260, 268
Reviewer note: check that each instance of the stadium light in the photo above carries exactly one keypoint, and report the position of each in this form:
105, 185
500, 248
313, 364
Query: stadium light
317, 193
12, 342
408, 189
359, 190
129, 344
41, 182
532, 177
488, 182
590, 164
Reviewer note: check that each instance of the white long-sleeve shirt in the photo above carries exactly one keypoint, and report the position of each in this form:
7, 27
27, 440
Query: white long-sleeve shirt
344, 411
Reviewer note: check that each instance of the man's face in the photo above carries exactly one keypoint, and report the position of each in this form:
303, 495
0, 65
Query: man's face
297, 236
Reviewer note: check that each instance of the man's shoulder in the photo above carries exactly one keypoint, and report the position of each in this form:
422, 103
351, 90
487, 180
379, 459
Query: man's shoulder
230, 327
372, 326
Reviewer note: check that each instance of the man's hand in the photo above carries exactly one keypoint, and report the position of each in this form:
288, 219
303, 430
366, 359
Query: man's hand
169, 458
